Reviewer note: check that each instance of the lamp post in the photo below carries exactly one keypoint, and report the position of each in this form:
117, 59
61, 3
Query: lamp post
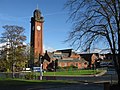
54, 67
13, 59
41, 74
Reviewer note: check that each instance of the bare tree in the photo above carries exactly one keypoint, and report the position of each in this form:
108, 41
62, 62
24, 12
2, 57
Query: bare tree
96, 21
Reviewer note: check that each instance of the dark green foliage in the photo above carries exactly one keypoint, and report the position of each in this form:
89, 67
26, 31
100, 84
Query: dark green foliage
30, 76
68, 68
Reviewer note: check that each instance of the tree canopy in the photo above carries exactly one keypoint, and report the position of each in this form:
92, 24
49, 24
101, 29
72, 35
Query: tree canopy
13, 53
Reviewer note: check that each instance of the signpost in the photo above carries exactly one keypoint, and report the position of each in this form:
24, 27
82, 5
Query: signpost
41, 74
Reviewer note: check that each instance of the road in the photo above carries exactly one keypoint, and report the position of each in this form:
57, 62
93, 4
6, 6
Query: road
73, 86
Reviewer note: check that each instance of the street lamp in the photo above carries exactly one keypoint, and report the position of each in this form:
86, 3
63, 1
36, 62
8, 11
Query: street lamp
41, 74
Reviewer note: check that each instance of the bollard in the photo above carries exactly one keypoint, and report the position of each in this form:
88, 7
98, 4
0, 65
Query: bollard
106, 86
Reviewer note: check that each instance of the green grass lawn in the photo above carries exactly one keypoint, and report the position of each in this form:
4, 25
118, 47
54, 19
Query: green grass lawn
74, 73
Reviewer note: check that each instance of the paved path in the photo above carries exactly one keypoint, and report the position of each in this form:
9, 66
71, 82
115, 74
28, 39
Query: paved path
77, 86
105, 78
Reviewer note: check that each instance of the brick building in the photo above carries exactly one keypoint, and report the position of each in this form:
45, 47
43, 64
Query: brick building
64, 58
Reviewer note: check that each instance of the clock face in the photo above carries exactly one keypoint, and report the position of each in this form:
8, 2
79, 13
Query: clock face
38, 28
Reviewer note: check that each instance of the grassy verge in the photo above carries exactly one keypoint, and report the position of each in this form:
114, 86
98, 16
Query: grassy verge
76, 72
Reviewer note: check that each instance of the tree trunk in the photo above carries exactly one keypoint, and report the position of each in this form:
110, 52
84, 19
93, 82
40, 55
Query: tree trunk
119, 77
116, 65
118, 69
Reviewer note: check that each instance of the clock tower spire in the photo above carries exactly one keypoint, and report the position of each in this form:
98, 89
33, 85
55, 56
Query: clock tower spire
36, 35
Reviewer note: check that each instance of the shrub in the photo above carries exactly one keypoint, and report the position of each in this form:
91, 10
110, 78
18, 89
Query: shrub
30, 76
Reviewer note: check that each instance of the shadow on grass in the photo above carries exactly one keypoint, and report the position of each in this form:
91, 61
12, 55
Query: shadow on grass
11, 84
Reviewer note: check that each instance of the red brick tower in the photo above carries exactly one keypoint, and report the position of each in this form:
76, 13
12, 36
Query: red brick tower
36, 35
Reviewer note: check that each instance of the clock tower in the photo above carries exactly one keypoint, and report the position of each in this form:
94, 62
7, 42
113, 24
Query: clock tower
36, 35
